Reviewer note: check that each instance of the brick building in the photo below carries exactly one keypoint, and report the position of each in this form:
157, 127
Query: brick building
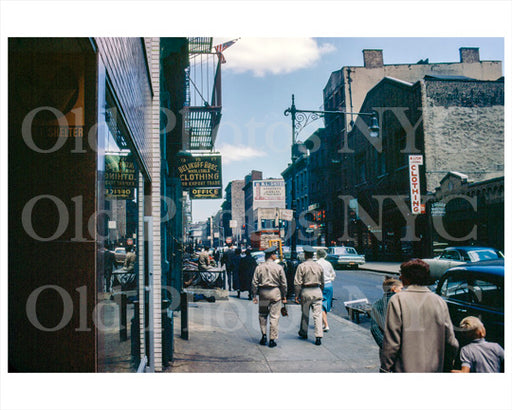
346, 90
233, 209
456, 123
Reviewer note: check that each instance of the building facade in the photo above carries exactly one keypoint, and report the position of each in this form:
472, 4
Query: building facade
89, 174
346, 91
455, 123
296, 177
234, 210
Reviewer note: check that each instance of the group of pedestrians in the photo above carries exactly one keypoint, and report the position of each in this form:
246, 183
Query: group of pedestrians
269, 289
413, 329
410, 323
239, 270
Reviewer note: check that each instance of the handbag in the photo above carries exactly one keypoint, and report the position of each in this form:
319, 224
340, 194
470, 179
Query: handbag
284, 311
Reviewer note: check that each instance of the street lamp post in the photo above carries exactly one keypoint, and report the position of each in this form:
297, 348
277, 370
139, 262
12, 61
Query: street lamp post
303, 118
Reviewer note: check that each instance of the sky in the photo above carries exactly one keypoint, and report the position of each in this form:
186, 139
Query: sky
261, 74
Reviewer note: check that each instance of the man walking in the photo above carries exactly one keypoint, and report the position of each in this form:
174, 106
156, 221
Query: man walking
269, 283
309, 284
418, 335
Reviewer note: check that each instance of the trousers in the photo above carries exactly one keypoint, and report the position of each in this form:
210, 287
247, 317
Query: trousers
269, 305
311, 298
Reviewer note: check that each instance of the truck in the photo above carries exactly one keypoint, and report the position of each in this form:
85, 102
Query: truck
260, 240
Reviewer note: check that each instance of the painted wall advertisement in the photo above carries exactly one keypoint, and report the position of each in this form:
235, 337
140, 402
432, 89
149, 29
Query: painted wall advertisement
269, 190
201, 175
120, 177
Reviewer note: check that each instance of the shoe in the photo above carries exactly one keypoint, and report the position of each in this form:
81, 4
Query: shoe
318, 341
272, 343
263, 340
302, 335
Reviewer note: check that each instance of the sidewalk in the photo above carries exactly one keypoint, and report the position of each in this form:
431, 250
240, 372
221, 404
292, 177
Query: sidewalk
223, 337
382, 267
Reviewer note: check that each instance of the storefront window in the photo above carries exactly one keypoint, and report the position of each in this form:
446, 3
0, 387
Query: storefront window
118, 238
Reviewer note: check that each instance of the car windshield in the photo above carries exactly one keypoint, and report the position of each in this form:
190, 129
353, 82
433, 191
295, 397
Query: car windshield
482, 255
344, 251
120, 251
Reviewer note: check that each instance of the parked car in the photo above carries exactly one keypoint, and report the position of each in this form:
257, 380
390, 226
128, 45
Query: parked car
259, 256
344, 256
120, 255
458, 255
476, 289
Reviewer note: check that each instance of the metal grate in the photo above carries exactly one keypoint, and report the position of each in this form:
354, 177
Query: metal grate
198, 45
201, 126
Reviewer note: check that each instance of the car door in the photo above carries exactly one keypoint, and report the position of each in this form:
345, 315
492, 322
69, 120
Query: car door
468, 294
489, 305
454, 289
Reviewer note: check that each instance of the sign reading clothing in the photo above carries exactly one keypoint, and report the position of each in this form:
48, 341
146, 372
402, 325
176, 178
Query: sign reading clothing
414, 180
201, 175
120, 177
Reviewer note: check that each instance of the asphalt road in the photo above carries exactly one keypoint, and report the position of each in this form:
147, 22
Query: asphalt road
356, 284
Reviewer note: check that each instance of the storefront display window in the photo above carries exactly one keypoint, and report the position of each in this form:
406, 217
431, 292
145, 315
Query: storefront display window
118, 263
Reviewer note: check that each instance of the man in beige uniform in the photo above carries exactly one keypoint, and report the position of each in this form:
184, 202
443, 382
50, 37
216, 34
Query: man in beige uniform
309, 284
269, 282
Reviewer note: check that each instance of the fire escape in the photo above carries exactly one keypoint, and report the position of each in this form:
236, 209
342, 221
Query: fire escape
203, 104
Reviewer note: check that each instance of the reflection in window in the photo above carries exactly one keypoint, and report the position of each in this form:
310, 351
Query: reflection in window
118, 335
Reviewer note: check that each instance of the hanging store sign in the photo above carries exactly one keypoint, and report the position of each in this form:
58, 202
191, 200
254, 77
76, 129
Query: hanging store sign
120, 177
200, 171
205, 193
414, 180
286, 214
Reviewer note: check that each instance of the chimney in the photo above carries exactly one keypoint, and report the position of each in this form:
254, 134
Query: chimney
373, 58
469, 54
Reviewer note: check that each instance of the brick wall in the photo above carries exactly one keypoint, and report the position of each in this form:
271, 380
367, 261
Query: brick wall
464, 129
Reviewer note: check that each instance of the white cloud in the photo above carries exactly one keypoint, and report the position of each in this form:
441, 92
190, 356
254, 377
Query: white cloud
273, 55
231, 153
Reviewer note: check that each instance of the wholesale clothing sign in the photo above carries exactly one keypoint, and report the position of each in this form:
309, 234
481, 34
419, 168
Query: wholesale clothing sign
120, 177
201, 175
414, 180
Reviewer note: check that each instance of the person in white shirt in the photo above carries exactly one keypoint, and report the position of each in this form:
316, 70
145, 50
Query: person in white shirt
329, 276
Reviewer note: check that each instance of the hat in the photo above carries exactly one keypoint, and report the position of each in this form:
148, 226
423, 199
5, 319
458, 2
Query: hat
308, 249
270, 250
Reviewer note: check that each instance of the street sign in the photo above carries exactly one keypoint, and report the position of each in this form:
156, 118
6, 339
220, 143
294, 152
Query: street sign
233, 223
